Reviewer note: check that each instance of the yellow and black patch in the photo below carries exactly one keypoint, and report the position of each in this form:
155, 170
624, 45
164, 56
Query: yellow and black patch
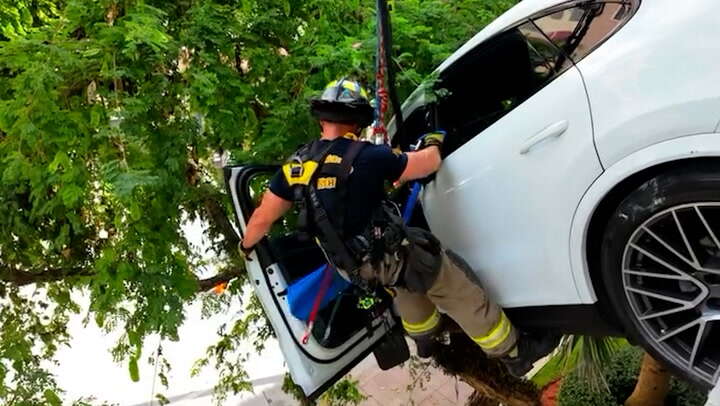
298, 173
333, 159
326, 183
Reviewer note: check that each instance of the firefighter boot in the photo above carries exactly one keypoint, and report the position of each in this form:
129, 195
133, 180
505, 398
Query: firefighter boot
529, 349
426, 346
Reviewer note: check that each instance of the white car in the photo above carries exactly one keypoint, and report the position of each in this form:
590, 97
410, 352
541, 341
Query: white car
581, 182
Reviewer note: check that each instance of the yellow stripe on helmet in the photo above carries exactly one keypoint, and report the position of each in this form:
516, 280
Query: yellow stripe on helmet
349, 85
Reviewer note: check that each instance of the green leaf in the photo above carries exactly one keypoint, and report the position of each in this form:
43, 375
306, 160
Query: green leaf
91, 52
133, 369
71, 195
52, 398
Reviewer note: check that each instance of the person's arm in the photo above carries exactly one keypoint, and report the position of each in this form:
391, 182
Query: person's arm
270, 210
421, 164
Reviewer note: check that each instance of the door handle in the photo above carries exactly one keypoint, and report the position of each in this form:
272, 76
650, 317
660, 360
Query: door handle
551, 131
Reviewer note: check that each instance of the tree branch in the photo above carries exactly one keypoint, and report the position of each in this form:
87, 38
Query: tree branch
22, 278
209, 283
219, 221
464, 359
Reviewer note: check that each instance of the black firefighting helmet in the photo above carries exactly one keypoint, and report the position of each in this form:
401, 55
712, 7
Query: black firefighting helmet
343, 101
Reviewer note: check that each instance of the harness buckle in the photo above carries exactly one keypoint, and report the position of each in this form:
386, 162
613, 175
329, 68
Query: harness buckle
296, 168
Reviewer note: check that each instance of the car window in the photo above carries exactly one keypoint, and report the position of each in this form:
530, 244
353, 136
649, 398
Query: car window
493, 79
580, 29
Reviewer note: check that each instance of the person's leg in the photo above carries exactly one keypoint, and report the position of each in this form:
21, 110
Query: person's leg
467, 303
420, 318
483, 320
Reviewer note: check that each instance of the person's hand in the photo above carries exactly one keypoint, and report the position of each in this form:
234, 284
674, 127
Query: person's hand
244, 251
435, 138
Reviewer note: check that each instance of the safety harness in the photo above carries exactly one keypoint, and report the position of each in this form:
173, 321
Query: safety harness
314, 168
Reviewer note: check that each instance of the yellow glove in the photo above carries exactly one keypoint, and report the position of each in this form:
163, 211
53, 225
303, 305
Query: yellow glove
434, 138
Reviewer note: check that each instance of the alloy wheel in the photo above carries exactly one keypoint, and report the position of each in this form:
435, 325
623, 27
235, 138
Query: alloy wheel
671, 277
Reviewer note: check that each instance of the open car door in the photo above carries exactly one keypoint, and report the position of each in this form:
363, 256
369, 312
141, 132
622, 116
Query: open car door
344, 332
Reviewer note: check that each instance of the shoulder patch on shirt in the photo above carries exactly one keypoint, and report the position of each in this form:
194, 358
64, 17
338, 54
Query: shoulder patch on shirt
333, 159
397, 151
326, 183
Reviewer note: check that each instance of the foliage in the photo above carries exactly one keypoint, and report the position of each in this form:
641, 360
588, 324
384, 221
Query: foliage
344, 392
621, 375
111, 112
585, 356
19, 17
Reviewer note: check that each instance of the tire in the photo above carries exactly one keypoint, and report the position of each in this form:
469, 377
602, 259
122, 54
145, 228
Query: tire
661, 268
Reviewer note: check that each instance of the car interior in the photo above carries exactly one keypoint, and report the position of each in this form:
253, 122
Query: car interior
486, 84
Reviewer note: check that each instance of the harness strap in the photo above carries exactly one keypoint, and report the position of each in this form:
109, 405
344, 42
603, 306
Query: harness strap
333, 241
342, 185
313, 152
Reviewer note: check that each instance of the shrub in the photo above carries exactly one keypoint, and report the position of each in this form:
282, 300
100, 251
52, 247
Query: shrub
621, 376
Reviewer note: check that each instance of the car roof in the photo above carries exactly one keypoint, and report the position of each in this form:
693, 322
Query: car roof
516, 14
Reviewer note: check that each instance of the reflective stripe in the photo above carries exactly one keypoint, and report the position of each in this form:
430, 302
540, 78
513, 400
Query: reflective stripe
497, 335
333, 159
349, 85
326, 183
306, 170
425, 326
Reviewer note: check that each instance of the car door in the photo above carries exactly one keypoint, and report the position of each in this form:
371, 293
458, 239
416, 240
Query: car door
344, 333
520, 155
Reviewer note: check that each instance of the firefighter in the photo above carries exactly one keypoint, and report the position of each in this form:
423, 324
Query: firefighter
338, 182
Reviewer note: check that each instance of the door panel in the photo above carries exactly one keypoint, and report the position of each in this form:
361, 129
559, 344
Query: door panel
505, 199
275, 263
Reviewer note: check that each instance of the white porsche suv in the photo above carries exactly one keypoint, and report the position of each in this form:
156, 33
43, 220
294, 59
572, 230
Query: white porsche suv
581, 181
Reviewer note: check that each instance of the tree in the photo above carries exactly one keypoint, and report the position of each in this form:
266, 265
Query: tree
653, 384
111, 112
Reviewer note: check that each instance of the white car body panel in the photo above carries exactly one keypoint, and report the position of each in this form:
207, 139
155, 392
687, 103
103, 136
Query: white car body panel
656, 79
694, 146
508, 213
635, 104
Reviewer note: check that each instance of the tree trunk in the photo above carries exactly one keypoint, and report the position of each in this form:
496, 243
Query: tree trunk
491, 381
652, 385
476, 399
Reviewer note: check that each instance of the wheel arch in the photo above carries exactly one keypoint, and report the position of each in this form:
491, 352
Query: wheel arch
596, 228
606, 193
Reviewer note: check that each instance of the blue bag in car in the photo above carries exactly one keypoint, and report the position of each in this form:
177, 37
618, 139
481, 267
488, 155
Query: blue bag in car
302, 294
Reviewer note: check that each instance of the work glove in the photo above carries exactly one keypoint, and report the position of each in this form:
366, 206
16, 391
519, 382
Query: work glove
434, 138
245, 252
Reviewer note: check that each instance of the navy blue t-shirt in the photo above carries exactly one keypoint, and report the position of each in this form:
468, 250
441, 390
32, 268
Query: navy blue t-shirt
374, 165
